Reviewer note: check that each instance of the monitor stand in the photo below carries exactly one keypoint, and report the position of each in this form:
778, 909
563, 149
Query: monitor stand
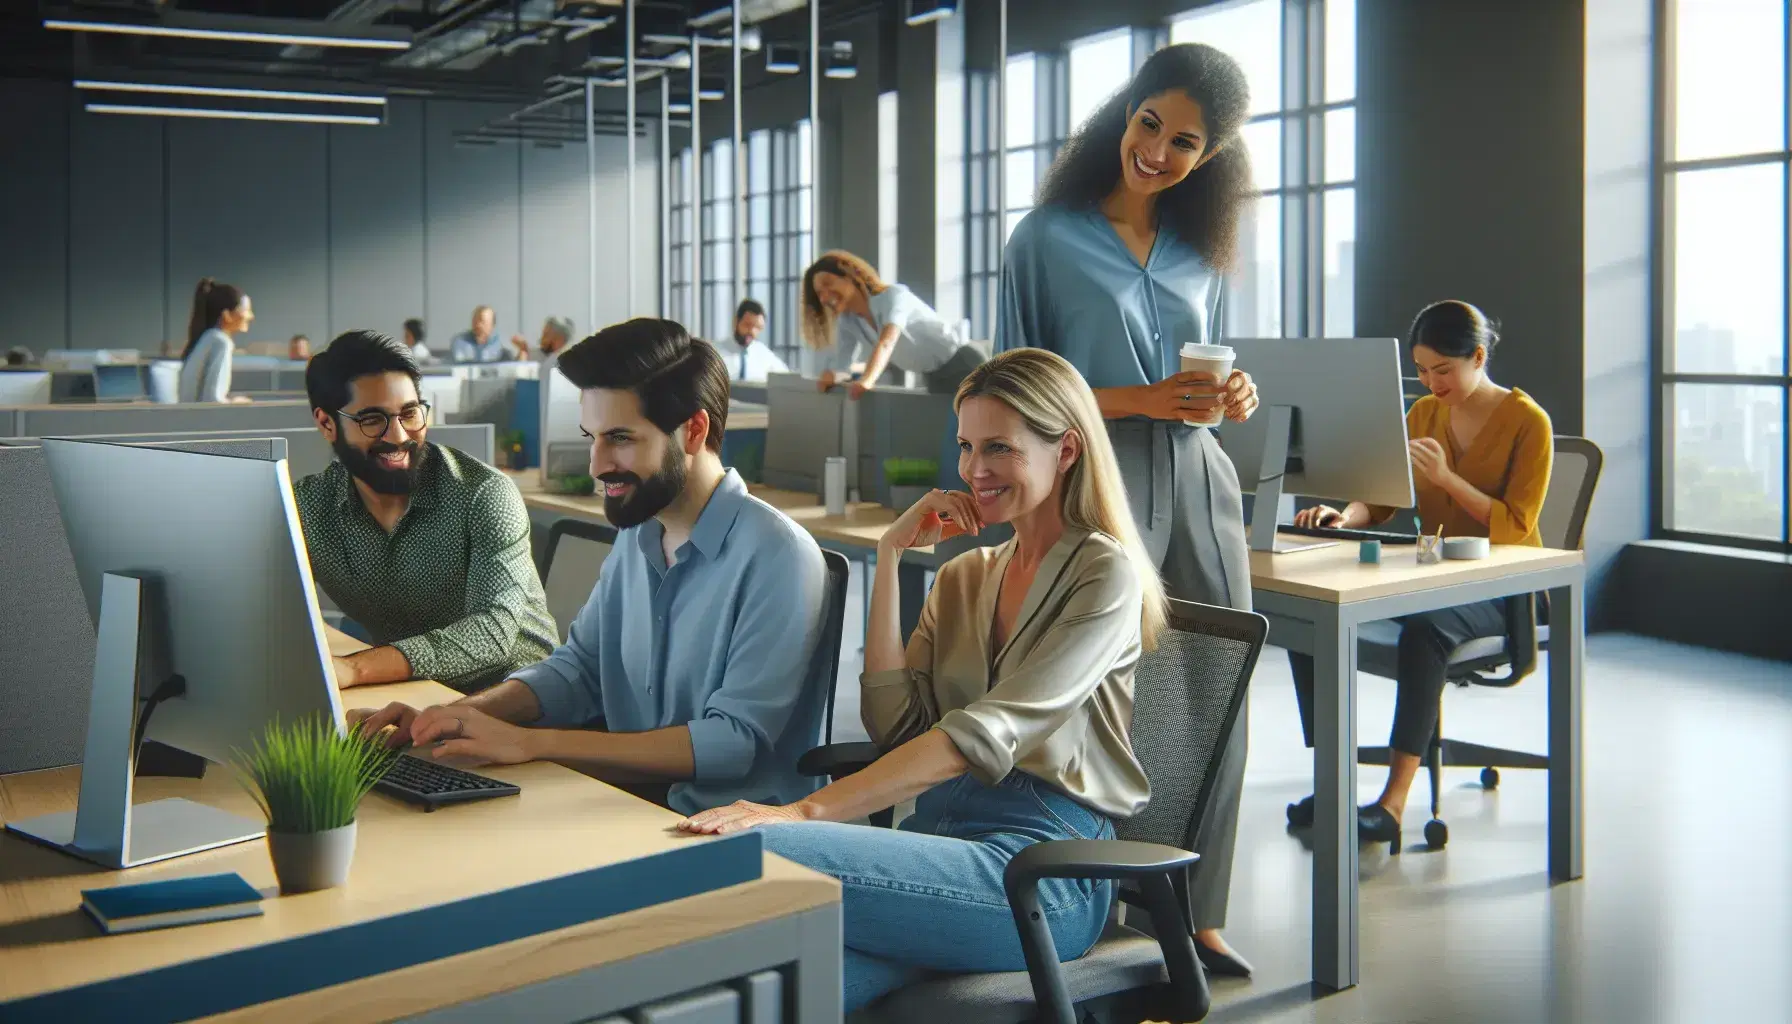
105, 828
1267, 503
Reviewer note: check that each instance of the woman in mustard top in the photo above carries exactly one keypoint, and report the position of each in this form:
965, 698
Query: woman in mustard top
1481, 457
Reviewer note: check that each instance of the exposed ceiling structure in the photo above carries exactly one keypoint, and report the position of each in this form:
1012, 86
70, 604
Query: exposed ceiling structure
293, 59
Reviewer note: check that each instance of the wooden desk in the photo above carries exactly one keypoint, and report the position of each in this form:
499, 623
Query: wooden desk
1315, 601
549, 906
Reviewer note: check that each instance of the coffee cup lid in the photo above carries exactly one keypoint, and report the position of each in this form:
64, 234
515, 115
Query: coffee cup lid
1208, 351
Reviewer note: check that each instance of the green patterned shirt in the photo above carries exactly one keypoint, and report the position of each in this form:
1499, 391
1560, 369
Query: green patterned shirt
453, 587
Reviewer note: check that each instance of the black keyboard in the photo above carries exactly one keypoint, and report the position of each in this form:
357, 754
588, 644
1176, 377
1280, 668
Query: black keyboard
421, 781
1334, 533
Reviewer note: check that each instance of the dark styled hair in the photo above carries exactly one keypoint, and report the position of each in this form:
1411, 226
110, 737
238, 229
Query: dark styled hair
1453, 328
415, 326
355, 354
748, 306
211, 301
1203, 208
672, 373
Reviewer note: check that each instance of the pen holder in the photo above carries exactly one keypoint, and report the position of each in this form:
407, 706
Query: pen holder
1430, 550
1369, 552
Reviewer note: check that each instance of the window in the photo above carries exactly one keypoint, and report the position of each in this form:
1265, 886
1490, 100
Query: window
1298, 246
1033, 127
1099, 66
887, 170
679, 245
1722, 364
718, 240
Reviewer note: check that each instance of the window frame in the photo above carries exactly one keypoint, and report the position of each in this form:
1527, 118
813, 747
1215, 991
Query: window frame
1663, 343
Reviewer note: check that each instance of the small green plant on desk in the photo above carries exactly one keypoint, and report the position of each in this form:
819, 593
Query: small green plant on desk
571, 483
909, 480
308, 778
510, 450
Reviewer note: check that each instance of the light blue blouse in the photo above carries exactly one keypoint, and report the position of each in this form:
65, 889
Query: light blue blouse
1070, 286
927, 341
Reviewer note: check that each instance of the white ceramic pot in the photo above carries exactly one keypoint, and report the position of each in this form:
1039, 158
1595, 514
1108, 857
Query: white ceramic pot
309, 861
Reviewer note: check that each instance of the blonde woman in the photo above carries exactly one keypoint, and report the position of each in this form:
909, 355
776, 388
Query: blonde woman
1007, 717
848, 308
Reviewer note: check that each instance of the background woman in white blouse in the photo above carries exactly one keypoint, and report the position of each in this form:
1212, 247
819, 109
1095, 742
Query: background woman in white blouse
1008, 716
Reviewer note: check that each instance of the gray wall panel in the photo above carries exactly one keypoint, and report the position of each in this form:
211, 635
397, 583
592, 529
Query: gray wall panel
34, 207
247, 204
555, 261
474, 229
118, 244
376, 222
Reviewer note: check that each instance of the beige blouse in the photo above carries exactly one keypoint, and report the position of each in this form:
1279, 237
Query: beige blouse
1055, 701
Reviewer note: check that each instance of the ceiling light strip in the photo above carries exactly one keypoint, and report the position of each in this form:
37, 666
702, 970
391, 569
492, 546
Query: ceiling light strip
236, 115
248, 94
231, 35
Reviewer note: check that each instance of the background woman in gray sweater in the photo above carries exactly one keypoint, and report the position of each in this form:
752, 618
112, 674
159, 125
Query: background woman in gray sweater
219, 312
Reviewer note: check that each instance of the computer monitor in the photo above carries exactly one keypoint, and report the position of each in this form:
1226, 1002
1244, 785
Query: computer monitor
805, 427
194, 571
24, 387
118, 383
1332, 424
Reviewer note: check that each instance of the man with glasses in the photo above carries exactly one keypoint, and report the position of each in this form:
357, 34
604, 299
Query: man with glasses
426, 547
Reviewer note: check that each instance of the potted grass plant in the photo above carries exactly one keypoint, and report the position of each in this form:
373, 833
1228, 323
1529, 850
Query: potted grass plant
909, 480
308, 778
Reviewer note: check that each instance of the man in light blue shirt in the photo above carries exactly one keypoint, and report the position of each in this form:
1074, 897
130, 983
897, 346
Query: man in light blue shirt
691, 664
480, 342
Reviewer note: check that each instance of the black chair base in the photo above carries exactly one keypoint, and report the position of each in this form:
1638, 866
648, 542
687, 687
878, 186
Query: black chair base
1445, 753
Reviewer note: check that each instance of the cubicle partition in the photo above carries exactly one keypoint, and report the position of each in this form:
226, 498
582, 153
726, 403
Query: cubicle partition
306, 451
807, 426
146, 418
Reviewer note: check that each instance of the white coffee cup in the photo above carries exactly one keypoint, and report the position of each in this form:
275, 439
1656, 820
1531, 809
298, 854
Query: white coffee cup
1214, 359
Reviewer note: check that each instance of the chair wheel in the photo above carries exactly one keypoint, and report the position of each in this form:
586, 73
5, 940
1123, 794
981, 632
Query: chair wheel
1490, 778
1436, 834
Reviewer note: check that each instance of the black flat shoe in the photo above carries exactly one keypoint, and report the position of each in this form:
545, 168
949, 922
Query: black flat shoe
1300, 815
1226, 965
1376, 824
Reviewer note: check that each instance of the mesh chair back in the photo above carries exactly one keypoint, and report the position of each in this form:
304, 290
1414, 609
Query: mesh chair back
570, 566
1572, 481
1186, 698
826, 666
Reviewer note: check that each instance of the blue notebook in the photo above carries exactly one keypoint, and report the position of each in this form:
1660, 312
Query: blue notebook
177, 901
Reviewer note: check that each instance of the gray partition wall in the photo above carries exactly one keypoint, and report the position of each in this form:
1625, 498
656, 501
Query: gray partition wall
89, 420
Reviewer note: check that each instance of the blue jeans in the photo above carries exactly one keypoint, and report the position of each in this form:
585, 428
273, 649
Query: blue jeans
927, 897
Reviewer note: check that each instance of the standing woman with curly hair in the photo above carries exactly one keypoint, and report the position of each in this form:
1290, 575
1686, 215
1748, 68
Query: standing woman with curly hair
1121, 264
848, 308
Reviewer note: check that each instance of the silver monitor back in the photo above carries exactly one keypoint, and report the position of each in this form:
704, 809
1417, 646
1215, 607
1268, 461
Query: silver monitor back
217, 538
1343, 399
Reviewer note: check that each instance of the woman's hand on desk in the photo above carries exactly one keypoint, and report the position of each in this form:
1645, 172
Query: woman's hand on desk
857, 389
741, 815
828, 377
463, 731
938, 515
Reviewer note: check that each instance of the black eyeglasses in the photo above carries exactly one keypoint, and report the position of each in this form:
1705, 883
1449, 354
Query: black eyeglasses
375, 422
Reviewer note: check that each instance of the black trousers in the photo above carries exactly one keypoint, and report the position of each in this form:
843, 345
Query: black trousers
1426, 640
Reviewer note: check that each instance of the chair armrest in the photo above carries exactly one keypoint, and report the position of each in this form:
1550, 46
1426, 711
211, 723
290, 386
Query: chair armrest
1154, 868
1521, 641
837, 760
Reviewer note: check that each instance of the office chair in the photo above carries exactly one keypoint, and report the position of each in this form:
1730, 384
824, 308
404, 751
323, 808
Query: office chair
1562, 523
164, 381
1187, 695
570, 565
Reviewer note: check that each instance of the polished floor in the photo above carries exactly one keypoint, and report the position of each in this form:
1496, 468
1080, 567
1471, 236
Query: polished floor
1685, 913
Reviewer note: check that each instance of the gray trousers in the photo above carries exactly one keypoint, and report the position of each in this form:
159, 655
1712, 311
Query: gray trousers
945, 380
1185, 500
